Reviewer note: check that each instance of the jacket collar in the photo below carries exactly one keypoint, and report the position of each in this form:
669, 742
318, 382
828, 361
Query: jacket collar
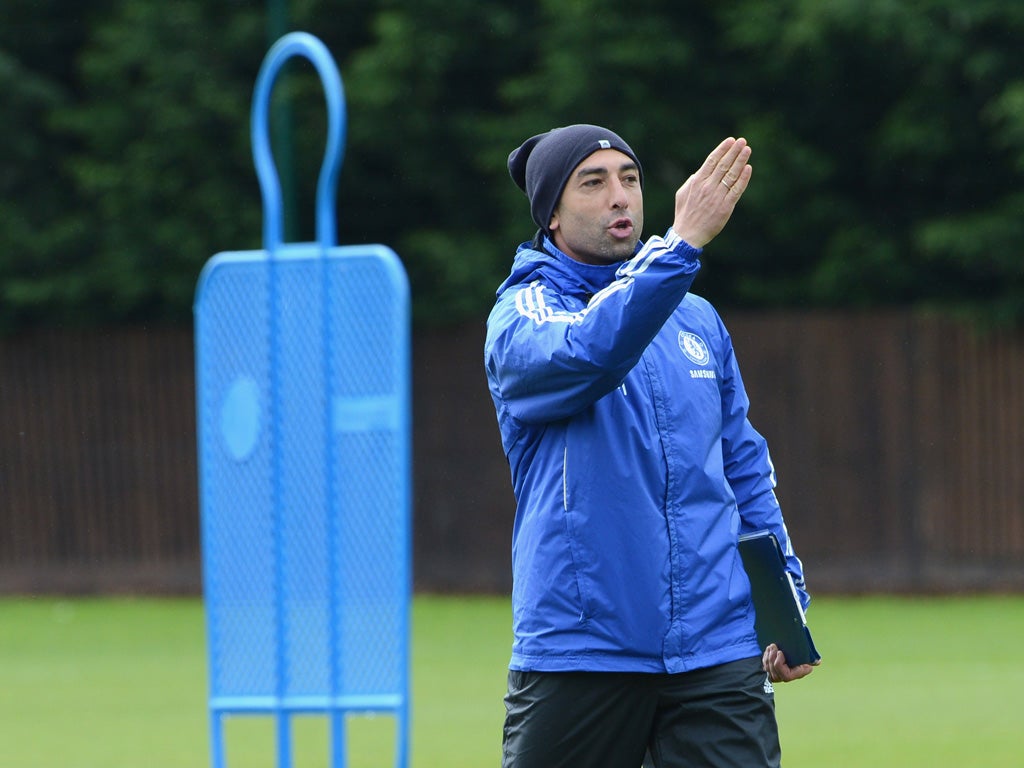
541, 259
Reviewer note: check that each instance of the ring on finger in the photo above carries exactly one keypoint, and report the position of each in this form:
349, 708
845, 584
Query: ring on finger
727, 186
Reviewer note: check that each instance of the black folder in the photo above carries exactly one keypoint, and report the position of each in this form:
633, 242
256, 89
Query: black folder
779, 617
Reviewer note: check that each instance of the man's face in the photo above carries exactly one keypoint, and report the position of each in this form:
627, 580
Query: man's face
600, 216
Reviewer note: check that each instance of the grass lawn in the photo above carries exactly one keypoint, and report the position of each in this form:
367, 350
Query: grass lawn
121, 683
925, 682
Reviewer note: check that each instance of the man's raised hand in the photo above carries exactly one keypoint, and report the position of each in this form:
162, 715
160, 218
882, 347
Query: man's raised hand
707, 199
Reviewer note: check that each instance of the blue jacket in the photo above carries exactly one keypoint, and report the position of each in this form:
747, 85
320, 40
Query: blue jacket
635, 469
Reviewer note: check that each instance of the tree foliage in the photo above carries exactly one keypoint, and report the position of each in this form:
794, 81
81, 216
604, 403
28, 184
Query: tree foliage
888, 143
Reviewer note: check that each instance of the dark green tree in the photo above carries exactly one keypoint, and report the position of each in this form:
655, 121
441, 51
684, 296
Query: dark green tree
887, 142
425, 173
163, 150
885, 133
39, 44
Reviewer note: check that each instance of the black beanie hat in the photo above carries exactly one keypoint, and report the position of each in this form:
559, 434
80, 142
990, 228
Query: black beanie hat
543, 164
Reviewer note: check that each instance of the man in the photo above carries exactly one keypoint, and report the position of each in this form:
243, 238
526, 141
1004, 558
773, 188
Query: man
635, 469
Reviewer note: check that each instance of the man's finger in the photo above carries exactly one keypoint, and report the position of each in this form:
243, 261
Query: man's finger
788, 674
716, 156
733, 160
736, 160
740, 185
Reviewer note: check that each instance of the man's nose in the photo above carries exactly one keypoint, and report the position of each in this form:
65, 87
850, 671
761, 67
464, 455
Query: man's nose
619, 197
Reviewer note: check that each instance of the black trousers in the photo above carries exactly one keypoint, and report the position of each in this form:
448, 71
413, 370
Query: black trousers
720, 717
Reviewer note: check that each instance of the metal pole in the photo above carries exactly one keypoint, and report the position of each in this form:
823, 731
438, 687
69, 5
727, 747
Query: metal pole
282, 135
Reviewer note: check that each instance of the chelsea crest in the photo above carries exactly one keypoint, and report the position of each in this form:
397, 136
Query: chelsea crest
694, 348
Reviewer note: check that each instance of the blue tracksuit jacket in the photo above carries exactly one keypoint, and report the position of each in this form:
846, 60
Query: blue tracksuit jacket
635, 469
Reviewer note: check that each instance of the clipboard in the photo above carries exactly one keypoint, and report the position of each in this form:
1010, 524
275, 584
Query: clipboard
779, 617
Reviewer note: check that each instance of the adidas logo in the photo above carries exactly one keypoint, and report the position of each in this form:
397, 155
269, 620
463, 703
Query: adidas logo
768, 687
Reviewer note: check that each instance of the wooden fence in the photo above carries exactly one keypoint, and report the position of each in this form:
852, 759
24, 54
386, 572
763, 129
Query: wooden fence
898, 440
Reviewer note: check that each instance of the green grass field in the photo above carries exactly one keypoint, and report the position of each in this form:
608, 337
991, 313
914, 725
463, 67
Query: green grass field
121, 683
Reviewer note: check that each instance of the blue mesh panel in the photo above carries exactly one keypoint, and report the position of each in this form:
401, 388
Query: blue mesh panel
302, 366
236, 455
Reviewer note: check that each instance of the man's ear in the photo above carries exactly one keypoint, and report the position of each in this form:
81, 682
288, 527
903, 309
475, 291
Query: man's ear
553, 224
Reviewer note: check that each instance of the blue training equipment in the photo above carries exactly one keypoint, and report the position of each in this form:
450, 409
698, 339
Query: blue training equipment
304, 431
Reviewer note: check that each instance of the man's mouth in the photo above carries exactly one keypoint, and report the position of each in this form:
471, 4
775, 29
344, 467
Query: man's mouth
621, 228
